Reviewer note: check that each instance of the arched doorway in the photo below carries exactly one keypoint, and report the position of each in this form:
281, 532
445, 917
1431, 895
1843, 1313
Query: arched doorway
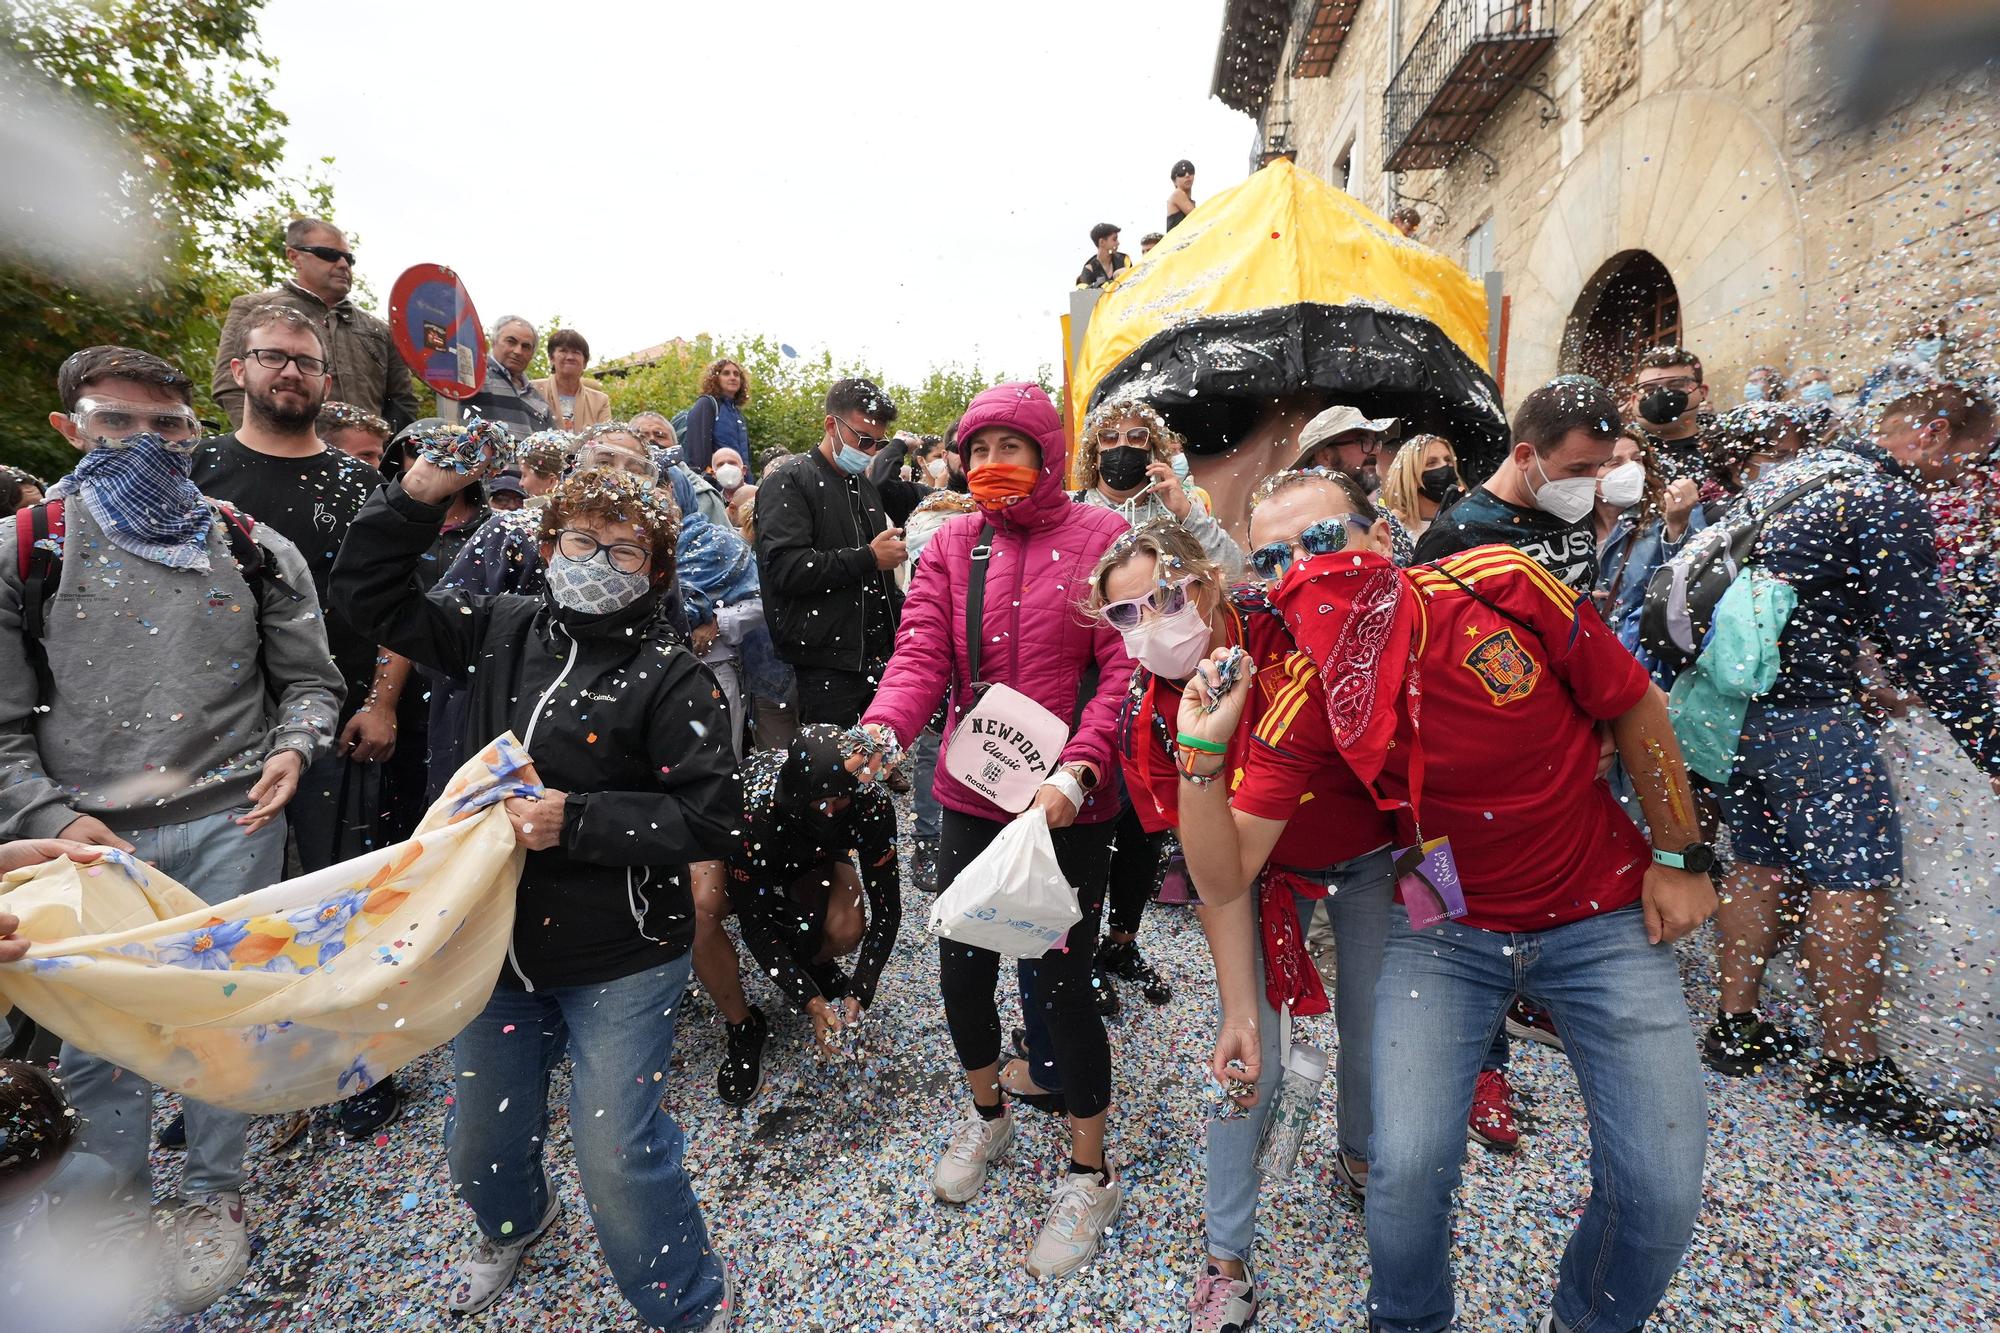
1630, 304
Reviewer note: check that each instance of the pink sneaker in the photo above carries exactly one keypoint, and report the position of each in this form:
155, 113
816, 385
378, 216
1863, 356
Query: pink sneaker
1223, 1304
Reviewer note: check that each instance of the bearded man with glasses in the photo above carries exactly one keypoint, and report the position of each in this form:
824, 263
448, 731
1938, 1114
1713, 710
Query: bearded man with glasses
364, 365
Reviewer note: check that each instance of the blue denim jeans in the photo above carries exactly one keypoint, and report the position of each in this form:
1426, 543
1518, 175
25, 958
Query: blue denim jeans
925, 751
620, 1039
1617, 1002
1359, 907
216, 860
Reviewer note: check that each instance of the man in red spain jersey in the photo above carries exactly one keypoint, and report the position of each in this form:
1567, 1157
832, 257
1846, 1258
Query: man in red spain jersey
1466, 696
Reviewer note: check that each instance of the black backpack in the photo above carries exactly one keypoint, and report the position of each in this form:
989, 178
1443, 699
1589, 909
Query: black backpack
1683, 593
38, 544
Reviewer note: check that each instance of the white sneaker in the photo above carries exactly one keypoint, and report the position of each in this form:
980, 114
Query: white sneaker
208, 1251
1070, 1238
1223, 1304
975, 1145
485, 1272
724, 1318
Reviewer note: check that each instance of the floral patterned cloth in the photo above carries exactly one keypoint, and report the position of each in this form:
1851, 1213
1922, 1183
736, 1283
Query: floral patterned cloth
292, 996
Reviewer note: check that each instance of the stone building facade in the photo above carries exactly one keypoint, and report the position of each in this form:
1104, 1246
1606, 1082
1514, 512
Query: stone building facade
1643, 170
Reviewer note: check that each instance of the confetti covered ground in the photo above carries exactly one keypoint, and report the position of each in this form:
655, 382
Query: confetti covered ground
819, 1194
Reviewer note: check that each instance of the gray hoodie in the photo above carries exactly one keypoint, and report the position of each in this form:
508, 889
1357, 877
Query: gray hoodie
163, 709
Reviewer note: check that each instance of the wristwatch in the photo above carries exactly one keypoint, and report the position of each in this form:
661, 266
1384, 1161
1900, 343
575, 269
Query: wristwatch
1697, 858
1085, 775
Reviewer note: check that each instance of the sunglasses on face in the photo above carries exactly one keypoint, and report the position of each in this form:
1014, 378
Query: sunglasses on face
272, 359
867, 444
102, 418
1165, 600
1325, 537
1136, 437
328, 253
626, 558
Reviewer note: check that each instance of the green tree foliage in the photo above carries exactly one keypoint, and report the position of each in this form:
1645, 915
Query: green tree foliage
186, 87
787, 393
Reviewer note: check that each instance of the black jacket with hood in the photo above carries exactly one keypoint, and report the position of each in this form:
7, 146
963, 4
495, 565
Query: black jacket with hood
614, 710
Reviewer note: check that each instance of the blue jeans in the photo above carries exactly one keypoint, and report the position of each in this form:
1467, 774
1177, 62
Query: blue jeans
1617, 1002
216, 860
628, 1149
1359, 906
925, 751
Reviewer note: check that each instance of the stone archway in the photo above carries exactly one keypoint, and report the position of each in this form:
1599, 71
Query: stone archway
1630, 303
1695, 181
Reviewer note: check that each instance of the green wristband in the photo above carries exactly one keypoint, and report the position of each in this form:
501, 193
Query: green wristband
1187, 742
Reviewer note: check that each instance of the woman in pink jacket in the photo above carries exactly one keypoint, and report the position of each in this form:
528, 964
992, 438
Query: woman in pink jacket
1034, 638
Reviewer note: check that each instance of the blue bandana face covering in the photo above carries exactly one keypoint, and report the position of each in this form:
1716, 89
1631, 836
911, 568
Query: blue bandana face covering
592, 587
138, 489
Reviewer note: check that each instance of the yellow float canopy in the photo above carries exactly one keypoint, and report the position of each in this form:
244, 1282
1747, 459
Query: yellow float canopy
1284, 285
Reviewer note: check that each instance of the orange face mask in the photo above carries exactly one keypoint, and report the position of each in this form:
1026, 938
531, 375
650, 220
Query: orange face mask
998, 485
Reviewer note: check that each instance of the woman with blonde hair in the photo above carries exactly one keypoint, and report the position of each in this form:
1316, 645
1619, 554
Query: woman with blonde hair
1125, 463
1421, 480
716, 419
1173, 608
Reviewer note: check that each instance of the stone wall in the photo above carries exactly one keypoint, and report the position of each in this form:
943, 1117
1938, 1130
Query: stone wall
1701, 131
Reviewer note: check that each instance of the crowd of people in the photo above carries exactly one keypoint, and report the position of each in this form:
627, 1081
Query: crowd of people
1425, 712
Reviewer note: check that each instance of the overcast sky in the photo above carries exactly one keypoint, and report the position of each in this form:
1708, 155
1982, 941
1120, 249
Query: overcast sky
913, 183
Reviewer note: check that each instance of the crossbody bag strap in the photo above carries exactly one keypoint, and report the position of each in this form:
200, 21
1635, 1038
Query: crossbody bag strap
975, 602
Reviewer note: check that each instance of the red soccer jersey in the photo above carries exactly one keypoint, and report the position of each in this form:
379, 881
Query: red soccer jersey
1516, 673
1334, 814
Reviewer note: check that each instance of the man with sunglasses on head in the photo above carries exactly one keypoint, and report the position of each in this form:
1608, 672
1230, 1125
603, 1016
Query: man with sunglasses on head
277, 469
1468, 699
827, 557
164, 685
365, 367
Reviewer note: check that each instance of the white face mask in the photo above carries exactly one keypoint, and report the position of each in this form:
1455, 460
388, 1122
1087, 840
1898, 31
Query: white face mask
1569, 499
728, 476
1170, 646
1623, 486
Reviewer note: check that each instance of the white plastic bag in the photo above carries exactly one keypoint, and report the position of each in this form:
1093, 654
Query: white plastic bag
1013, 898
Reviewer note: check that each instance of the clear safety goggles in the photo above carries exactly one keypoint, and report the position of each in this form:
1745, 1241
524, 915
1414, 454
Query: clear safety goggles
107, 421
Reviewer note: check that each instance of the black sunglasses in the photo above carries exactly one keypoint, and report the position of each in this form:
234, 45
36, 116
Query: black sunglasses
272, 359
328, 253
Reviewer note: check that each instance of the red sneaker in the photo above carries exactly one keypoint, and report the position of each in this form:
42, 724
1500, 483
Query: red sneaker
1527, 1023
1492, 1120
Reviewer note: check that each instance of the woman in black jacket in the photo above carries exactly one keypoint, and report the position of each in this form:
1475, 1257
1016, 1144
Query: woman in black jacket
632, 745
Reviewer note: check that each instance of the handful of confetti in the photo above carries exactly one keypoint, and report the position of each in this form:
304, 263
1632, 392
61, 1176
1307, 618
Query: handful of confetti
1225, 676
856, 742
1224, 1100
474, 446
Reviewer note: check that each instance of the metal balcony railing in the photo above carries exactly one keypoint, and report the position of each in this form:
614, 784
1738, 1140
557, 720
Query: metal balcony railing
1471, 56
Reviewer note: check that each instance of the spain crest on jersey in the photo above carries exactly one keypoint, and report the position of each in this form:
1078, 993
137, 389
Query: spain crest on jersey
1504, 667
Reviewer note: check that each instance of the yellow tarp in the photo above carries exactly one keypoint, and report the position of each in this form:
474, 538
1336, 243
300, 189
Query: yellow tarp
1282, 237
295, 995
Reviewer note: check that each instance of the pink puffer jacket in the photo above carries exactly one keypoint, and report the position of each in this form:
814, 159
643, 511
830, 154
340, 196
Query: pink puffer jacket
1035, 636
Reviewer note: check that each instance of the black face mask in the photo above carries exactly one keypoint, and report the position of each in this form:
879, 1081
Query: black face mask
1123, 468
1436, 482
1663, 407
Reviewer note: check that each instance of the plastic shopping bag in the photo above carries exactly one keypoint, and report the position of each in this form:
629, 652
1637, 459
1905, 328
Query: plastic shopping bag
1013, 898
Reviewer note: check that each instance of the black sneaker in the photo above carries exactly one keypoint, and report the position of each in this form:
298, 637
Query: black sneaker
1105, 993
923, 865
742, 1068
174, 1136
1739, 1044
366, 1113
1121, 958
1877, 1095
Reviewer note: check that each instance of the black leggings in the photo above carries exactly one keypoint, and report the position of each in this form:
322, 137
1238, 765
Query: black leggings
1135, 871
969, 976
